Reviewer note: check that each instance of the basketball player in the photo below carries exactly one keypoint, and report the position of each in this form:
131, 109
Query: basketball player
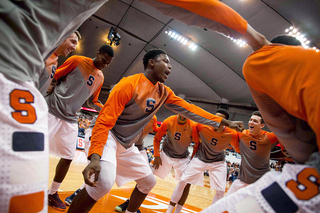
255, 146
210, 156
130, 106
179, 132
30, 32
152, 125
78, 78
67, 46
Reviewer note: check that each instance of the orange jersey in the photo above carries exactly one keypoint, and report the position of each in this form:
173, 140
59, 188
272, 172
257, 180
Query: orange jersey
212, 143
293, 97
177, 137
82, 80
130, 106
255, 154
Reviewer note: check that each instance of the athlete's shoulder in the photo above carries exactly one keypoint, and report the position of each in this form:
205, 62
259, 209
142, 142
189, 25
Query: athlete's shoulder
264, 132
245, 132
171, 118
166, 87
133, 79
78, 58
231, 131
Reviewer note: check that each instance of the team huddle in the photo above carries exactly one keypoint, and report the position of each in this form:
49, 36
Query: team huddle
39, 105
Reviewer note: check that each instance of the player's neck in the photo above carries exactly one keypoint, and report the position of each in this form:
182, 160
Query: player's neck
220, 129
255, 133
148, 74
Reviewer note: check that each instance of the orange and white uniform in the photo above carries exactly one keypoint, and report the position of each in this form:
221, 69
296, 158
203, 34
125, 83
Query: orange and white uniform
82, 80
210, 156
255, 155
175, 146
130, 106
284, 84
27, 40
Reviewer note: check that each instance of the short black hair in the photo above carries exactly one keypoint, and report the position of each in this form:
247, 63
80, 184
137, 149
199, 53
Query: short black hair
257, 113
107, 49
78, 35
152, 54
287, 40
223, 112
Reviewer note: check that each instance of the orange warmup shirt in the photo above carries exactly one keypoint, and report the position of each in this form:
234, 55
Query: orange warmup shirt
177, 137
212, 143
255, 154
132, 104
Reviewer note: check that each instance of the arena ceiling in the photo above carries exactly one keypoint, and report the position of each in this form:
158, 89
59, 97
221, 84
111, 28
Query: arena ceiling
213, 71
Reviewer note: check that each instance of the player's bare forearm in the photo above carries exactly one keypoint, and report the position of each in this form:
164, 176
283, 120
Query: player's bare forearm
255, 39
236, 125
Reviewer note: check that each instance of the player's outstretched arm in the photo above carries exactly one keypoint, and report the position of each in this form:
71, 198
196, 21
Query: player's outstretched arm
255, 39
212, 15
236, 125
92, 168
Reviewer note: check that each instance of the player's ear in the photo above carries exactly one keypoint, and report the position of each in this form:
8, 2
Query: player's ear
151, 62
262, 125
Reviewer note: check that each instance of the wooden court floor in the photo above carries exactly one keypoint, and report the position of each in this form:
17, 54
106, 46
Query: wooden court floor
156, 202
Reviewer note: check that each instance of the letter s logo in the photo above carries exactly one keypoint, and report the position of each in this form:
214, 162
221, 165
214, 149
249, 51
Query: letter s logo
177, 136
20, 101
90, 80
150, 104
307, 184
53, 71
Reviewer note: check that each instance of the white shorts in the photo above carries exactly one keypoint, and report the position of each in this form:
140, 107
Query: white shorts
24, 153
145, 156
296, 189
235, 186
179, 165
63, 137
217, 173
130, 164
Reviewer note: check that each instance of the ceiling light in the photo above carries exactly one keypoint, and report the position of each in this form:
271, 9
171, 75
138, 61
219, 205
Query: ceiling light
180, 38
114, 37
298, 35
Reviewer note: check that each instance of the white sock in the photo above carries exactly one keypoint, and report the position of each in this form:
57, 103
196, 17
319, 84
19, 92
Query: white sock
128, 211
83, 185
218, 196
170, 209
54, 187
178, 208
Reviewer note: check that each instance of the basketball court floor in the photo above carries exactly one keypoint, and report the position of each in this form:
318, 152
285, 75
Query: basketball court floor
157, 200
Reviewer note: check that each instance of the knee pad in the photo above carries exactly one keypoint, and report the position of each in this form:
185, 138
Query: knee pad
105, 182
145, 184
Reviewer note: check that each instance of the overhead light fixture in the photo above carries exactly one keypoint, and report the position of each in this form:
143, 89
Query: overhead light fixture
182, 39
113, 37
239, 42
298, 35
